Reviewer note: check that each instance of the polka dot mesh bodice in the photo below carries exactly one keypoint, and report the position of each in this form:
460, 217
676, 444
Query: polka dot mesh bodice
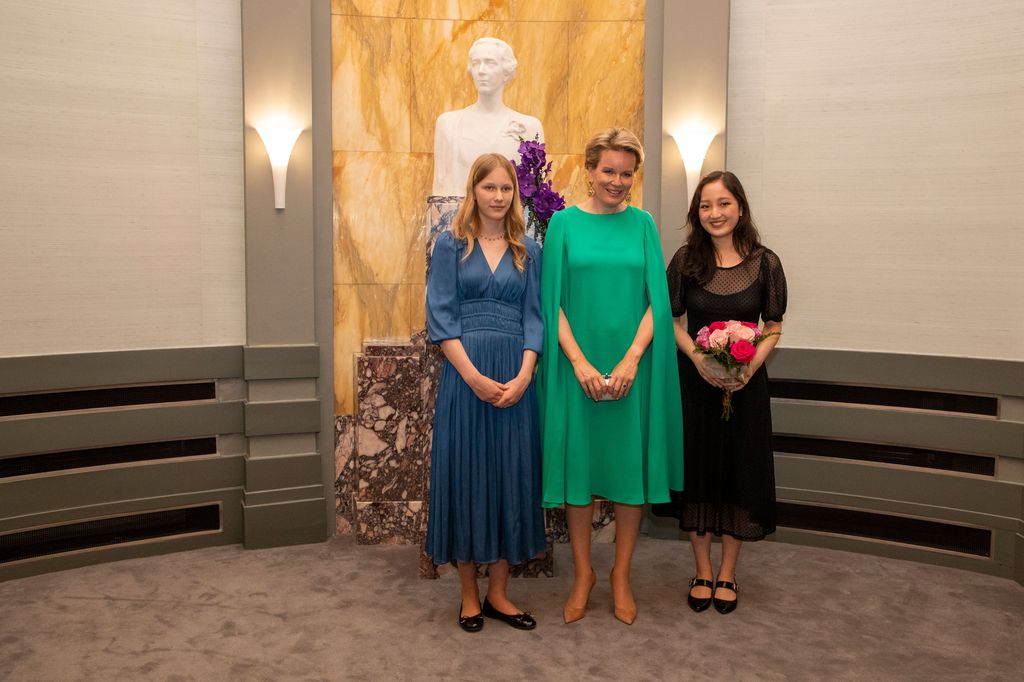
753, 291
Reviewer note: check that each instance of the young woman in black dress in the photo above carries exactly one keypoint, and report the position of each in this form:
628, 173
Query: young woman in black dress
723, 272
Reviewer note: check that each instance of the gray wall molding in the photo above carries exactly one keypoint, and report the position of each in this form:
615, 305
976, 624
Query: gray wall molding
925, 372
282, 362
282, 416
36, 373
285, 471
95, 494
54, 432
993, 503
229, 533
914, 428
910, 486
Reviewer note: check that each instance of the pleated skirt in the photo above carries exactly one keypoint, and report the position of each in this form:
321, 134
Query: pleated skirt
485, 477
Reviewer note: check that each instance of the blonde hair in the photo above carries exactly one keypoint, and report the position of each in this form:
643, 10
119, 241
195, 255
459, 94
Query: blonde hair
467, 221
615, 139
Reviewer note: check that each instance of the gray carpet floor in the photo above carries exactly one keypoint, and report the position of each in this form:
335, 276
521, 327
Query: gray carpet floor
339, 611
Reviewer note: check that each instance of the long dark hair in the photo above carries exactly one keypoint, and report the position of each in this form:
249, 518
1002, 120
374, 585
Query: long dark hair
699, 262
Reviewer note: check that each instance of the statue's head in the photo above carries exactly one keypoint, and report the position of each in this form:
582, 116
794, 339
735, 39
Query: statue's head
491, 64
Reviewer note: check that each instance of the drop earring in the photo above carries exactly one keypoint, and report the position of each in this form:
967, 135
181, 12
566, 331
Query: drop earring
590, 188
629, 197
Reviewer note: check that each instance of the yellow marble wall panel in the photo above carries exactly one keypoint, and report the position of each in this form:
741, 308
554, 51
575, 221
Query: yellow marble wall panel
579, 10
371, 84
417, 306
467, 10
374, 8
441, 83
379, 216
539, 88
362, 312
569, 177
606, 83
548, 10
619, 10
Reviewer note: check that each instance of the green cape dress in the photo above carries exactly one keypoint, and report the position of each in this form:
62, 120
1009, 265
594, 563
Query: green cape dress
603, 271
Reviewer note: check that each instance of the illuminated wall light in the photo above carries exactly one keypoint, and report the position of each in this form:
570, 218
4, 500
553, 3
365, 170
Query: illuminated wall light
279, 136
693, 140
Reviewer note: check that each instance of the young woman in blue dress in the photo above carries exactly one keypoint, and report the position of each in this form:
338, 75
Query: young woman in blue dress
483, 308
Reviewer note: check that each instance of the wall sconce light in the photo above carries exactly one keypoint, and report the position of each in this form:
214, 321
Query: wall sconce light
693, 140
279, 137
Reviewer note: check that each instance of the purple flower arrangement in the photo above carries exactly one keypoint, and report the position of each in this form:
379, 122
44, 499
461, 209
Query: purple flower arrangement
540, 200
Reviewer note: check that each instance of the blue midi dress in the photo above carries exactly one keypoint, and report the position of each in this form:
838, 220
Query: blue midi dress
485, 476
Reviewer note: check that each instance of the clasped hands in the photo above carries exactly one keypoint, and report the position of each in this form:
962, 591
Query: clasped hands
711, 371
499, 394
619, 381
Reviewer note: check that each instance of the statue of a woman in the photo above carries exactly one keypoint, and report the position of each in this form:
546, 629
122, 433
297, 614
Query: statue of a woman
486, 126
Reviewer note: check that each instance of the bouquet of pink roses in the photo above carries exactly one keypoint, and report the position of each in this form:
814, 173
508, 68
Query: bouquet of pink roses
733, 344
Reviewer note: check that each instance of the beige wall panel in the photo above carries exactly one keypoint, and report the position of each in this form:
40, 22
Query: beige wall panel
363, 312
441, 82
221, 204
880, 142
380, 216
370, 88
122, 207
606, 81
374, 8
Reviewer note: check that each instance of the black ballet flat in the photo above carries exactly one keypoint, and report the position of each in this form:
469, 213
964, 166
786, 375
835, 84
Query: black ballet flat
726, 605
699, 604
473, 623
520, 621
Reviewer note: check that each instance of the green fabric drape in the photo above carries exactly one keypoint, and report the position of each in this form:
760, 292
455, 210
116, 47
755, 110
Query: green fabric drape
604, 271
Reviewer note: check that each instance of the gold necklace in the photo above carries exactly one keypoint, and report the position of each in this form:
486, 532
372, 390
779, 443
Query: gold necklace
499, 238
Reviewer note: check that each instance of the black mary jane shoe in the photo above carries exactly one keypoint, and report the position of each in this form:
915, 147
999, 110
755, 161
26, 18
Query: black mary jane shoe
520, 621
474, 623
699, 604
726, 605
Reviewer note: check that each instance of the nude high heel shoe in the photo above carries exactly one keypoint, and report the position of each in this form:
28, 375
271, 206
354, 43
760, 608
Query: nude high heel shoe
622, 614
571, 614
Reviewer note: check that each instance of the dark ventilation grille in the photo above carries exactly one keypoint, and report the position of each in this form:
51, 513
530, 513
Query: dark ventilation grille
890, 454
76, 459
105, 532
932, 534
34, 403
888, 397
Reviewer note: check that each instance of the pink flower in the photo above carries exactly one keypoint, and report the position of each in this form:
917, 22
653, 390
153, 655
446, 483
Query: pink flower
743, 351
702, 337
715, 326
752, 325
742, 333
719, 338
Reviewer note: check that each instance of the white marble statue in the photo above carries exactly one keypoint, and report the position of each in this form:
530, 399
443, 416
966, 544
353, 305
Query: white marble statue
486, 126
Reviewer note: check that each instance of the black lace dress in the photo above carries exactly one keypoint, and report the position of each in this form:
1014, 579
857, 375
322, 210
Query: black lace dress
729, 470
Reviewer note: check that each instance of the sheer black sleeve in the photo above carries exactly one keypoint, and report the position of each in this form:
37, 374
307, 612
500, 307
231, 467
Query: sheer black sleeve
773, 308
676, 283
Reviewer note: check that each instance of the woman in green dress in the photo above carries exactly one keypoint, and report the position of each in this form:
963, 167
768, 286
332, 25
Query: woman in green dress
610, 410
